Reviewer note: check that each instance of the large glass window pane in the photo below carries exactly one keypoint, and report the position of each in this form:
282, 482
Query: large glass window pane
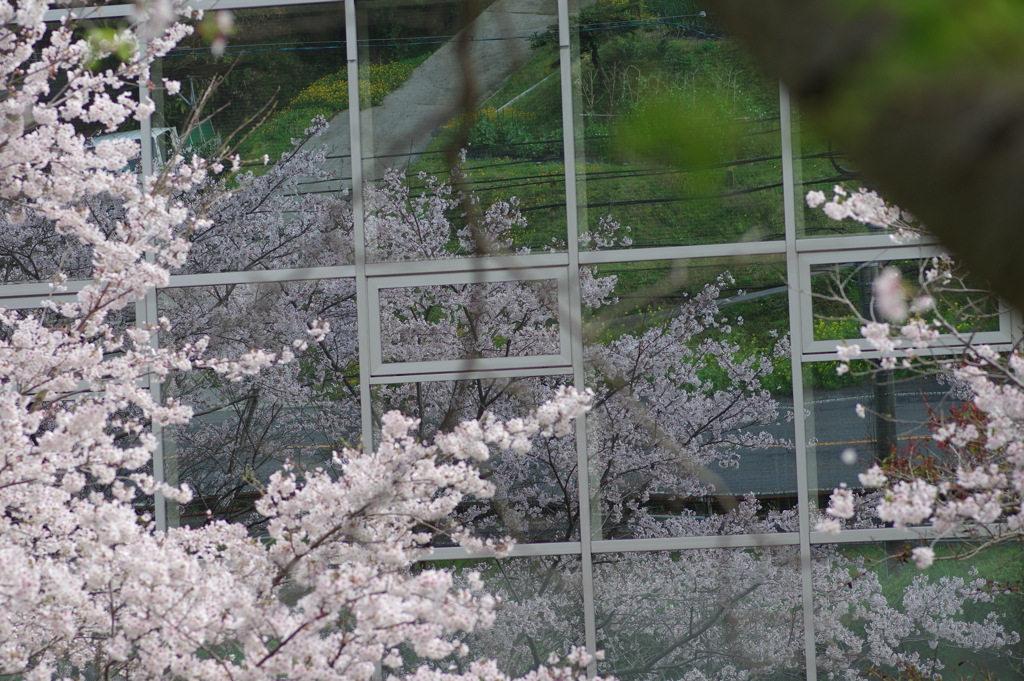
467, 85
819, 166
898, 406
677, 130
470, 321
280, 68
244, 430
271, 222
842, 292
693, 406
700, 614
536, 496
877, 616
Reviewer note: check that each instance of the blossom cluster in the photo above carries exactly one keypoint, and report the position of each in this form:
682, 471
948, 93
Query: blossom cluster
863, 206
323, 586
88, 585
985, 483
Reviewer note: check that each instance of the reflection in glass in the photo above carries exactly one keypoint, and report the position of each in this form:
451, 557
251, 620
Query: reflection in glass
692, 383
270, 222
677, 130
464, 321
843, 291
879, 617
540, 612
281, 67
435, 218
243, 431
819, 166
471, 87
700, 614
898, 407
31, 249
119, 320
535, 496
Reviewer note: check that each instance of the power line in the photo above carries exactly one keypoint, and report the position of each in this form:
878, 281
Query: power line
292, 46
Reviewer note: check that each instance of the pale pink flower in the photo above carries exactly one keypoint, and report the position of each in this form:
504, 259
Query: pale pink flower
923, 557
890, 295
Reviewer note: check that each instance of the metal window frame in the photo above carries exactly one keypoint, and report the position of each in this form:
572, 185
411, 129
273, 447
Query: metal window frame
818, 350
380, 368
800, 252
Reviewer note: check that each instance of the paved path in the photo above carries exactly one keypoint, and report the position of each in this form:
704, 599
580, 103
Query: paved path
402, 126
832, 421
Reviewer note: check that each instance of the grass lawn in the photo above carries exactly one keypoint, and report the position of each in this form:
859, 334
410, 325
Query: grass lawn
325, 97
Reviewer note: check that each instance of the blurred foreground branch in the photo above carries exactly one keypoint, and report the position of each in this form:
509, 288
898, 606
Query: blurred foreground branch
927, 97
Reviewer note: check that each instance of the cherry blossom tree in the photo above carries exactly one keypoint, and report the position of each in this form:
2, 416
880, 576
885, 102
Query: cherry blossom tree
656, 426
640, 380
979, 490
316, 580
89, 588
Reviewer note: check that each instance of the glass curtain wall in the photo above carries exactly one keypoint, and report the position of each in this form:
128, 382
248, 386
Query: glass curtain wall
504, 196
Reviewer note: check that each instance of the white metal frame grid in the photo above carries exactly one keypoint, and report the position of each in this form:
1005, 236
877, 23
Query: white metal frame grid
370, 278
379, 367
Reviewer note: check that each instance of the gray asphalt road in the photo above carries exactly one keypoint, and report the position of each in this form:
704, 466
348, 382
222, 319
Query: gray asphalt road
478, 60
832, 423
